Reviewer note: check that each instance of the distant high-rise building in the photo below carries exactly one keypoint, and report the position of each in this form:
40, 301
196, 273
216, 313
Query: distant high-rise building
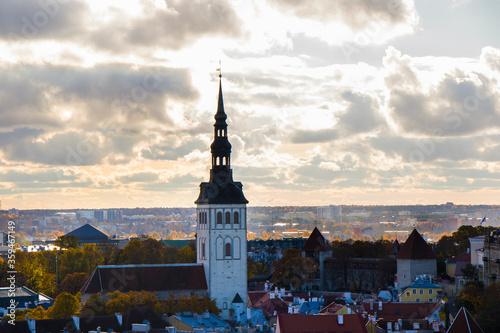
329, 212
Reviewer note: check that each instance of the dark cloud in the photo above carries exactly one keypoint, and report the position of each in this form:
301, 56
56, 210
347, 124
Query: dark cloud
357, 14
106, 96
25, 20
459, 104
179, 24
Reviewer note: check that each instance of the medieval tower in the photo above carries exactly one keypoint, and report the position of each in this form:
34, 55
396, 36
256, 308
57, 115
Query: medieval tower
222, 226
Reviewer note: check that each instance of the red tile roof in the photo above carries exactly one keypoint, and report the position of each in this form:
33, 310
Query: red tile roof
401, 310
297, 323
164, 277
464, 323
462, 257
415, 247
316, 242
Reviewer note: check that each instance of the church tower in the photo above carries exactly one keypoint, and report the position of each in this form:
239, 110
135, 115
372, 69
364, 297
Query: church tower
221, 230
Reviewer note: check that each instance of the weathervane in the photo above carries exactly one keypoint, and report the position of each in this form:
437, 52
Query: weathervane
219, 69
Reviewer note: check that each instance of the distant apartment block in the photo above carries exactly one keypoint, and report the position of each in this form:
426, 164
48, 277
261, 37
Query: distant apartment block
99, 215
329, 212
301, 215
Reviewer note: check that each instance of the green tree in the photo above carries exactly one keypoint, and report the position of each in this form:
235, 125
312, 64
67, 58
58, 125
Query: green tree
64, 306
257, 268
94, 306
67, 242
293, 270
186, 255
72, 283
31, 268
121, 302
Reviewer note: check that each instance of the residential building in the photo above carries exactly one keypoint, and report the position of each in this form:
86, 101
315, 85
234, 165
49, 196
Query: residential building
423, 289
221, 228
188, 322
491, 257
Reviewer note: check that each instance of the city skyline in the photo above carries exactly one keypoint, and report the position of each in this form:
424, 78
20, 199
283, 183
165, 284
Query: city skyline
365, 102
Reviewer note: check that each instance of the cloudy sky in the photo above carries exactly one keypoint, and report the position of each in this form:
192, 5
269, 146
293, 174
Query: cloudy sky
110, 103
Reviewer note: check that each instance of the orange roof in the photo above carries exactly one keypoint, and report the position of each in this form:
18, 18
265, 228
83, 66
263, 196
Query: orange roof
415, 247
297, 323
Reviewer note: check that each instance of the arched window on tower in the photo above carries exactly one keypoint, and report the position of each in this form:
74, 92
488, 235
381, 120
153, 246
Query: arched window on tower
228, 218
227, 252
236, 218
219, 218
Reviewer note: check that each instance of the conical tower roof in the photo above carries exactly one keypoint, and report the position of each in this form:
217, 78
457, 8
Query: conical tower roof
316, 242
464, 323
415, 247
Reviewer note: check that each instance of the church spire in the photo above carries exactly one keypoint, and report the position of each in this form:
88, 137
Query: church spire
221, 148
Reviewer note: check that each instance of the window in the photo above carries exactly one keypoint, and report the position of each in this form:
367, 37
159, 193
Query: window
417, 300
228, 218
421, 291
205, 217
228, 250
200, 218
203, 249
430, 291
219, 218
414, 291
431, 300
408, 294
236, 218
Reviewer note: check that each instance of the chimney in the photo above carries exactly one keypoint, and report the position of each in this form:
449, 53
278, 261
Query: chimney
380, 305
249, 314
348, 310
271, 295
119, 318
340, 319
76, 320
31, 324
371, 305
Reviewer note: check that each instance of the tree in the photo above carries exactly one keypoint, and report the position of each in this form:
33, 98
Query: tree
65, 306
72, 283
121, 302
67, 242
31, 267
186, 255
293, 270
94, 306
257, 268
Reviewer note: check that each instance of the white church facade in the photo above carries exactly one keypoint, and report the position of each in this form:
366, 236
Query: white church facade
221, 231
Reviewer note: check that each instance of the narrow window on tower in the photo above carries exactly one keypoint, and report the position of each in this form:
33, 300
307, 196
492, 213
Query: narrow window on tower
228, 250
228, 218
219, 218
236, 218
203, 249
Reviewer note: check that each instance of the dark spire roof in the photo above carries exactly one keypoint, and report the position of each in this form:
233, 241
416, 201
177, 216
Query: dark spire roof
415, 247
221, 189
316, 242
464, 323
